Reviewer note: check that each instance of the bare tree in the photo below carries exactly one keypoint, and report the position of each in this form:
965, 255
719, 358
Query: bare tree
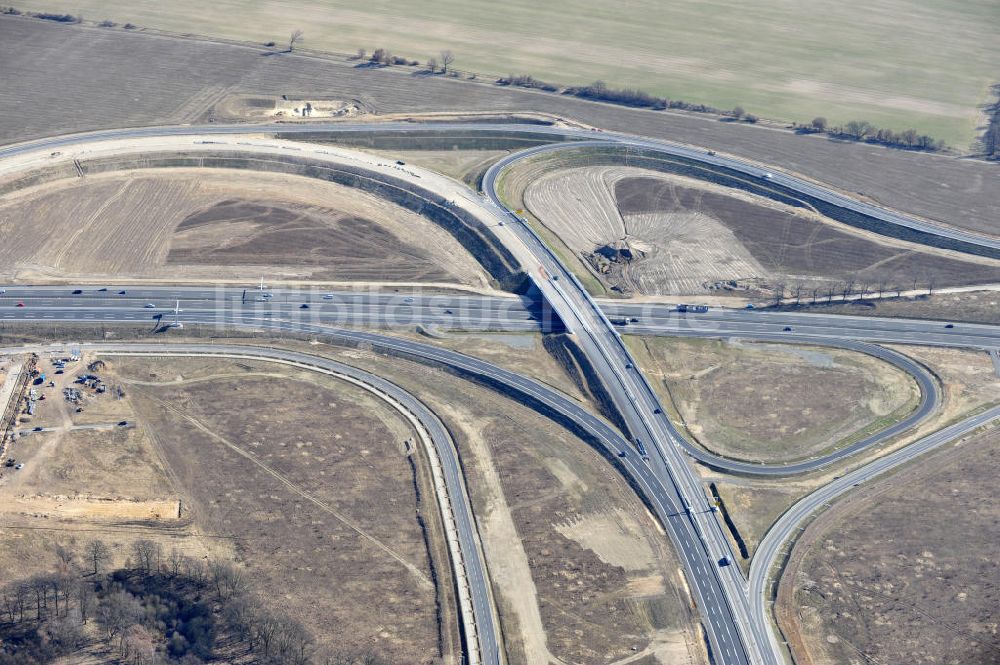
798, 294
65, 556
296, 37
146, 554
779, 294
98, 554
229, 580
119, 611
39, 585
815, 292
819, 124
362, 54
447, 57
432, 65
881, 288
175, 562
86, 599
848, 289
738, 112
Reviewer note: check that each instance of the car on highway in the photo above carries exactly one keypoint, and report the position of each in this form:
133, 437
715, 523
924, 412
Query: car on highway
724, 561
3, 291
149, 305
20, 303
788, 329
767, 176
949, 325
407, 300
328, 296
77, 292
123, 423
102, 289
37, 429
122, 292
304, 305
448, 311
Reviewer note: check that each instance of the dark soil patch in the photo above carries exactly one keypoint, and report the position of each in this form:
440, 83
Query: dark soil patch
248, 233
795, 245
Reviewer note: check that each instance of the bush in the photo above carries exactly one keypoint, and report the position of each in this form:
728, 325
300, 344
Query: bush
598, 90
751, 118
107, 23
862, 130
526, 81
59, 18
129, 26
13, 11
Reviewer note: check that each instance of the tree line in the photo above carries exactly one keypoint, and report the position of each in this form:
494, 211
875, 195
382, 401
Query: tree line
160, 608
846, 291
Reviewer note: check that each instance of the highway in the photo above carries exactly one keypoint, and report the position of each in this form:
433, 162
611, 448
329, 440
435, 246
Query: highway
463, 312
669, 483
483, 635
973, 242
782, 533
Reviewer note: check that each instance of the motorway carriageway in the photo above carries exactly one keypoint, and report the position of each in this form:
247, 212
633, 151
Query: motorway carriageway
502, 313
482, 634
82, 308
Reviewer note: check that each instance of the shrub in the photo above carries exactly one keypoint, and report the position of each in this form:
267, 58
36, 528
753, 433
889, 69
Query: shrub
59, 18
751, 118
598, 90
526, 81
13, 11
107, 23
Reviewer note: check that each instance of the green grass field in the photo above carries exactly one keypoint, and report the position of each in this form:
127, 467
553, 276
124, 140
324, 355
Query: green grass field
898, 63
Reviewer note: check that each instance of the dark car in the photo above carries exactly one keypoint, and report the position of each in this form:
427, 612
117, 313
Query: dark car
77, 292
123, 423
724, 561
304, 306
950, 325
788, 329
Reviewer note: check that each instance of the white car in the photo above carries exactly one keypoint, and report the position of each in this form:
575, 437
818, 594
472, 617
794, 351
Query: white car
328, 296
149, 305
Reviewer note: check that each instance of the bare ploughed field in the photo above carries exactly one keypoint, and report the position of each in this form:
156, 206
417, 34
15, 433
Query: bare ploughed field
303, 480
204, 224
642, 232
904, 570
69, 77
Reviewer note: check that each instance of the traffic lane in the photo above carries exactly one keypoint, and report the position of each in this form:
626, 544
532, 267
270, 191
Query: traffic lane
785, 528
662, 315
603, 347
443, 443
694, 560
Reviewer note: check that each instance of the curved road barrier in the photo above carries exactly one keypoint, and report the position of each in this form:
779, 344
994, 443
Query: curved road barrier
472, 586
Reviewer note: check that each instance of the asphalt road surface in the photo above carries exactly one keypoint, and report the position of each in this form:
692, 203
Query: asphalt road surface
579, 136
788, 525
734, 635
475, 567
